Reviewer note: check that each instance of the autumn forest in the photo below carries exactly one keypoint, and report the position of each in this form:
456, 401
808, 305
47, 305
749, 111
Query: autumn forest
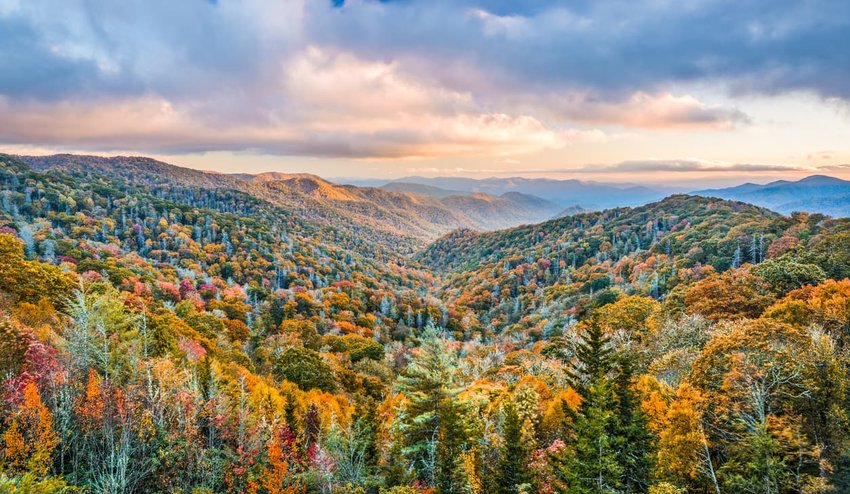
165, 333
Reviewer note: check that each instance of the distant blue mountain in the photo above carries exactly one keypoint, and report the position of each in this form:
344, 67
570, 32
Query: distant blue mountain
814, 194
565, 193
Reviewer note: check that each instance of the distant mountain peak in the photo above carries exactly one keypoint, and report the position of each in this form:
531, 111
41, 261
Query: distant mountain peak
822, 180
814, 194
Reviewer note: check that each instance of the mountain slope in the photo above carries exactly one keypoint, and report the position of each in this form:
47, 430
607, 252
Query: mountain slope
214, 341
420, 189
550, 270
817, 194
395, 220
158, 232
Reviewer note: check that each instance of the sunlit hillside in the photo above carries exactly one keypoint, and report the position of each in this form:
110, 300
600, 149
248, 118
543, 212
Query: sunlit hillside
424, 247
212, 338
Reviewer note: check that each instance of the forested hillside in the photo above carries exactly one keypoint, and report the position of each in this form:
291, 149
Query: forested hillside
543, 276
399, 220
165, 330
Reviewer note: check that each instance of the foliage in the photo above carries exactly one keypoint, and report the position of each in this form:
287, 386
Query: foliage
168, 331
305, 368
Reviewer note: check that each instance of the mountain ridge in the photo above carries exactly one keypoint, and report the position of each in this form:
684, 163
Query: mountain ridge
815, 193
398, 220
564, 192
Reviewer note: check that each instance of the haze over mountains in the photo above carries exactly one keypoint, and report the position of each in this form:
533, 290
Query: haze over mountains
419, 209
588, 195
817, 194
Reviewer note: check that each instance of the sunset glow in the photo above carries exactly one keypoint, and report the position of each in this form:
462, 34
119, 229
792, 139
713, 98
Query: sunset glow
658, 93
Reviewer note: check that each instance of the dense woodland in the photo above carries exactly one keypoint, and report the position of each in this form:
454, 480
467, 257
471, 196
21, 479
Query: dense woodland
183, 337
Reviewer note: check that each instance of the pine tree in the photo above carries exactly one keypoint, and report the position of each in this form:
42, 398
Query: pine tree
290, 415
366, 413
426, 382
312, 426
610, 445
205, 383
594, 359
513, 455
451, 443
636, 438
593, 462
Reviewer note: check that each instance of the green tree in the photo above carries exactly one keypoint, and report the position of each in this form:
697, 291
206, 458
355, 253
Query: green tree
785, 274
103, 334
611, 445
428, 382
592, 462
594, 358
306, 368
450, 477
636, 439
513, 455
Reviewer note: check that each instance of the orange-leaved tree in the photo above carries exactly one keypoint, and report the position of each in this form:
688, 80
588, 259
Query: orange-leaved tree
30, 439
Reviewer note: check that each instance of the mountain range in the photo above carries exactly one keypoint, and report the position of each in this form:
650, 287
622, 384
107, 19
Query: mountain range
406, 214
588, 195
816, 194
400, 218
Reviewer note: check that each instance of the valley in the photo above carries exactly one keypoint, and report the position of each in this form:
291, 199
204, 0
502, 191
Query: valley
281, 333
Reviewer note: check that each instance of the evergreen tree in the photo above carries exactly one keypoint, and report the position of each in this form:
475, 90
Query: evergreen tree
290, 410
637, 441
366, 412
594, 359
206, 385
312, 426
428, 384
610, 445
593, 463
513, 455
451, 443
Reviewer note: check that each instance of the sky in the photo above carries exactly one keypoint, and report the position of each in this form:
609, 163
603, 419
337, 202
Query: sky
700, 92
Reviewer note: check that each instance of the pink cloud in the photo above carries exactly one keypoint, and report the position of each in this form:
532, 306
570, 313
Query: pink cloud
325, 104
660, 111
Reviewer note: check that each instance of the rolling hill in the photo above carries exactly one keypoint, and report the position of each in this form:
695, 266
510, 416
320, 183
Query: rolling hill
542, 272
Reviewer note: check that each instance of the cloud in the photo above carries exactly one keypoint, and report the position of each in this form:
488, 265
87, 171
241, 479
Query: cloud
413, 78
662, 111
327, 104
616, 47
683, 166
836, 167
161, 46
172, 49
